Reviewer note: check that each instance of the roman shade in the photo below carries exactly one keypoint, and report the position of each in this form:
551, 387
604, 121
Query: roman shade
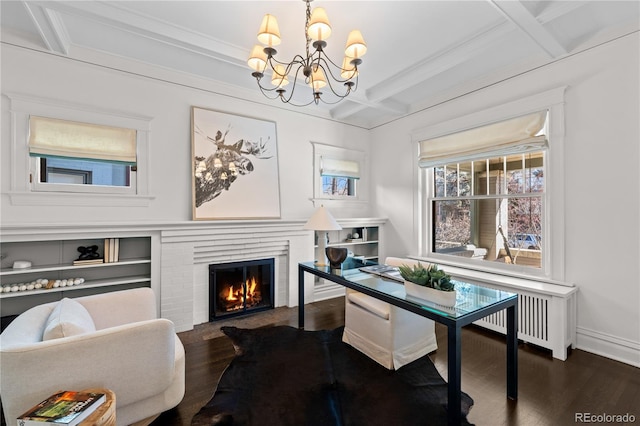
50, 137
340, 168
516, 135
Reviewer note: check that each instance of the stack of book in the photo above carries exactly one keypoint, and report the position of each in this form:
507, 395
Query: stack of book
111, 250
66, 408
88, 262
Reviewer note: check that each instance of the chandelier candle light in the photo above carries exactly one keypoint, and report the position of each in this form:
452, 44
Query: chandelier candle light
318, 69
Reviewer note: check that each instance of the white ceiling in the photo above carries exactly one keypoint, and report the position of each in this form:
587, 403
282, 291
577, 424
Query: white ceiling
419, 53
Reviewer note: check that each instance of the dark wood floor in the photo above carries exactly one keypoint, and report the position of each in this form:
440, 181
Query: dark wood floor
551, 392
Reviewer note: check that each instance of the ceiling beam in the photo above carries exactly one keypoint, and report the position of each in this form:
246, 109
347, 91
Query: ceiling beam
515, 12
456, 54
555, 10
431, 66
116, 14
50, 27
355, 103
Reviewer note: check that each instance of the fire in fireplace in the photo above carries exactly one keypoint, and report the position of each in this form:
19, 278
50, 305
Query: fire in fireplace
240, 287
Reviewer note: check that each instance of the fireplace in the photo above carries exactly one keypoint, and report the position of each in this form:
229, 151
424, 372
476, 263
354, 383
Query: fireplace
240, 288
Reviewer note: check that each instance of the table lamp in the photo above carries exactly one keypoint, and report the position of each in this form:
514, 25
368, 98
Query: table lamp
322, 221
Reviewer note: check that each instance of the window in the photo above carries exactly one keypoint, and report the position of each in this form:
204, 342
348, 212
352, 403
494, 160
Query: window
83, 172
339, 177
338, 186
337, 173
73, 156
485, 194
490, 209
76, 154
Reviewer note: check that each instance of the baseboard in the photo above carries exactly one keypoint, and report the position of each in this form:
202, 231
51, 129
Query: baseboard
616, 348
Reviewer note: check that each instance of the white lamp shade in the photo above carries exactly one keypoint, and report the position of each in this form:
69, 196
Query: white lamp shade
319, 27
322, 220
348, 70
356, 46
269, 32
318, 79
258, 59
279, 78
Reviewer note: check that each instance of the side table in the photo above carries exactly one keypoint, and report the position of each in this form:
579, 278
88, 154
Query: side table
105, 415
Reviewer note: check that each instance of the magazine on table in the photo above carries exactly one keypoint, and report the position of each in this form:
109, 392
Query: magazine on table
66, 408
384, 271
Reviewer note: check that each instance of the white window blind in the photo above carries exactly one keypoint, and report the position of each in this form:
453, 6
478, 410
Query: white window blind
340, 168
62, 138
516, 135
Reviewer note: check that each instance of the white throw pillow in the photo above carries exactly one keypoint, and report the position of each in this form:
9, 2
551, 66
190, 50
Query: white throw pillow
68, 318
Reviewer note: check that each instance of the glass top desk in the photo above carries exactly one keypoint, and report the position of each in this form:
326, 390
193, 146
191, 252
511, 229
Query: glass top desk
473, 302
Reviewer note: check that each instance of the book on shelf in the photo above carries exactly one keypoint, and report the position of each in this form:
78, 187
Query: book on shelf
88, 262
111, 250
116, 250
384, 271
66, 408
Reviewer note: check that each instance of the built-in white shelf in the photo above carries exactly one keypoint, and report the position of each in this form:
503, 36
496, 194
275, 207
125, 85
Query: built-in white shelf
49, 268
367, 247
52, 259
83, 286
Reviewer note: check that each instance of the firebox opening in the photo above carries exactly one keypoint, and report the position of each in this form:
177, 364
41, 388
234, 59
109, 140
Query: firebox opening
240, 287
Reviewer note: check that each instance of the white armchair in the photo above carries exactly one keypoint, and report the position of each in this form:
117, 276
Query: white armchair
385, 333
122, 346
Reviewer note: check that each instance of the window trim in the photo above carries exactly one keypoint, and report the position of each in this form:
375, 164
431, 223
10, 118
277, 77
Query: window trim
24, 173
553, 215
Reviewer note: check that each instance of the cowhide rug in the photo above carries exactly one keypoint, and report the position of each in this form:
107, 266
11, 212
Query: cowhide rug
288, 377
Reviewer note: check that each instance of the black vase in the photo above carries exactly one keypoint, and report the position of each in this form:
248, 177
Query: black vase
336, 256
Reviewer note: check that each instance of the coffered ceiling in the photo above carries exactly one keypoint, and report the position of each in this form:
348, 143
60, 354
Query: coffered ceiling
419, 53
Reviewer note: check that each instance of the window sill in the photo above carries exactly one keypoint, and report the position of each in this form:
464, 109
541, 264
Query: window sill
78, 199
501, 278
338, 200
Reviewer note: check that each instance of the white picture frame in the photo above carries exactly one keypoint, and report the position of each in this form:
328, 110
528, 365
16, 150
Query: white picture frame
235, 166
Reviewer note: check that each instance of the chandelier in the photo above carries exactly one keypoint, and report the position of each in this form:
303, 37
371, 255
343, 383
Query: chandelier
318, 70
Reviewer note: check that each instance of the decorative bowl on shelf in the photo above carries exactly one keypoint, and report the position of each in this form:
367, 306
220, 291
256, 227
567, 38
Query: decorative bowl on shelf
336, 256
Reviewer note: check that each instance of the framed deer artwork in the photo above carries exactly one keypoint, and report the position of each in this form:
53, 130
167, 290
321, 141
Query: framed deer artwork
234, 167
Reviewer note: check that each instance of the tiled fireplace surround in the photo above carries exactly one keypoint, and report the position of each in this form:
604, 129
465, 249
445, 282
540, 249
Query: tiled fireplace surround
187, 253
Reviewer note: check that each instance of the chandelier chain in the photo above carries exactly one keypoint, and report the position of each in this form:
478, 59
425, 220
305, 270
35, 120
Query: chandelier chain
306, 28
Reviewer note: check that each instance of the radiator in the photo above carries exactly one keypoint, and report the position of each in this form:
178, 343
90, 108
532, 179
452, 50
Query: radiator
533, 320
544, 320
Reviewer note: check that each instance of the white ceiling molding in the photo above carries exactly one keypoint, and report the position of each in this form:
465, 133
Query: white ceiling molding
555, 10
50, 27
434, 51
117, 15
520, 16
356, 103
429, 67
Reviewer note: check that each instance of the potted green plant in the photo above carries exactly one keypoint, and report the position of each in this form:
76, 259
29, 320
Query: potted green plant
431, 284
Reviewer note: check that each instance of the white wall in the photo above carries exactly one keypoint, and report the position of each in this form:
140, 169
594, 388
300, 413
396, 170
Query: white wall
602, 142
602, 184
169, 103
